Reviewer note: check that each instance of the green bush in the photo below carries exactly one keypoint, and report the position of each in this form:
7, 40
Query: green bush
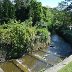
18, 38
43, 34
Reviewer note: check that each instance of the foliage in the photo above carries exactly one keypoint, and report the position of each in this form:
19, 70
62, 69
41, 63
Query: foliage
36, 11
47, 16
6, 11
24, 9
18, 38
61, 20
41, 24
43, 34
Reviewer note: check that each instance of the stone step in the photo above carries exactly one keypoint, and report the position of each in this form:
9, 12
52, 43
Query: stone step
19, 64
40, 59
60, 65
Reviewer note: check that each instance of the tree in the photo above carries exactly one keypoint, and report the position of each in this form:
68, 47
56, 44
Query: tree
22, 9
1, 10
21, 3
62, 5
36, 11
6, 10
47, 15
22, 13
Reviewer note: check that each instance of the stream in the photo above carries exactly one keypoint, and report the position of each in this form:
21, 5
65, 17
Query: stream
42, 59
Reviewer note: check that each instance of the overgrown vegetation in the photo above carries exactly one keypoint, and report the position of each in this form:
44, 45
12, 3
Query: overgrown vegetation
18, 38
25, 22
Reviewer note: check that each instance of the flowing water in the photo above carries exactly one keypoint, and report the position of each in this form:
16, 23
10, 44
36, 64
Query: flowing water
42, 59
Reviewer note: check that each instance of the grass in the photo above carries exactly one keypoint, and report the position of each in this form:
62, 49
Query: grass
67, 68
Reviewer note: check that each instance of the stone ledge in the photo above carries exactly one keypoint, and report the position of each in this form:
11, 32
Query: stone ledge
60, 65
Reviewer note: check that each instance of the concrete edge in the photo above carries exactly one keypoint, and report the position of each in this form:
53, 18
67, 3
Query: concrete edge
60, 65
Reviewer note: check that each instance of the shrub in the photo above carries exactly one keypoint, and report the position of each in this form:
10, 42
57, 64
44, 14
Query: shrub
19, 38
43, 34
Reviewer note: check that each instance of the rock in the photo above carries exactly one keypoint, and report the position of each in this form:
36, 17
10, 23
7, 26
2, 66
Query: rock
51, 46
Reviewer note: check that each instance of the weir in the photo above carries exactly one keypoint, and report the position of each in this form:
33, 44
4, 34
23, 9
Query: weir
19, 64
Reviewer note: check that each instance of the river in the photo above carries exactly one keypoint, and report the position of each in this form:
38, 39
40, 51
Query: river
42, 59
